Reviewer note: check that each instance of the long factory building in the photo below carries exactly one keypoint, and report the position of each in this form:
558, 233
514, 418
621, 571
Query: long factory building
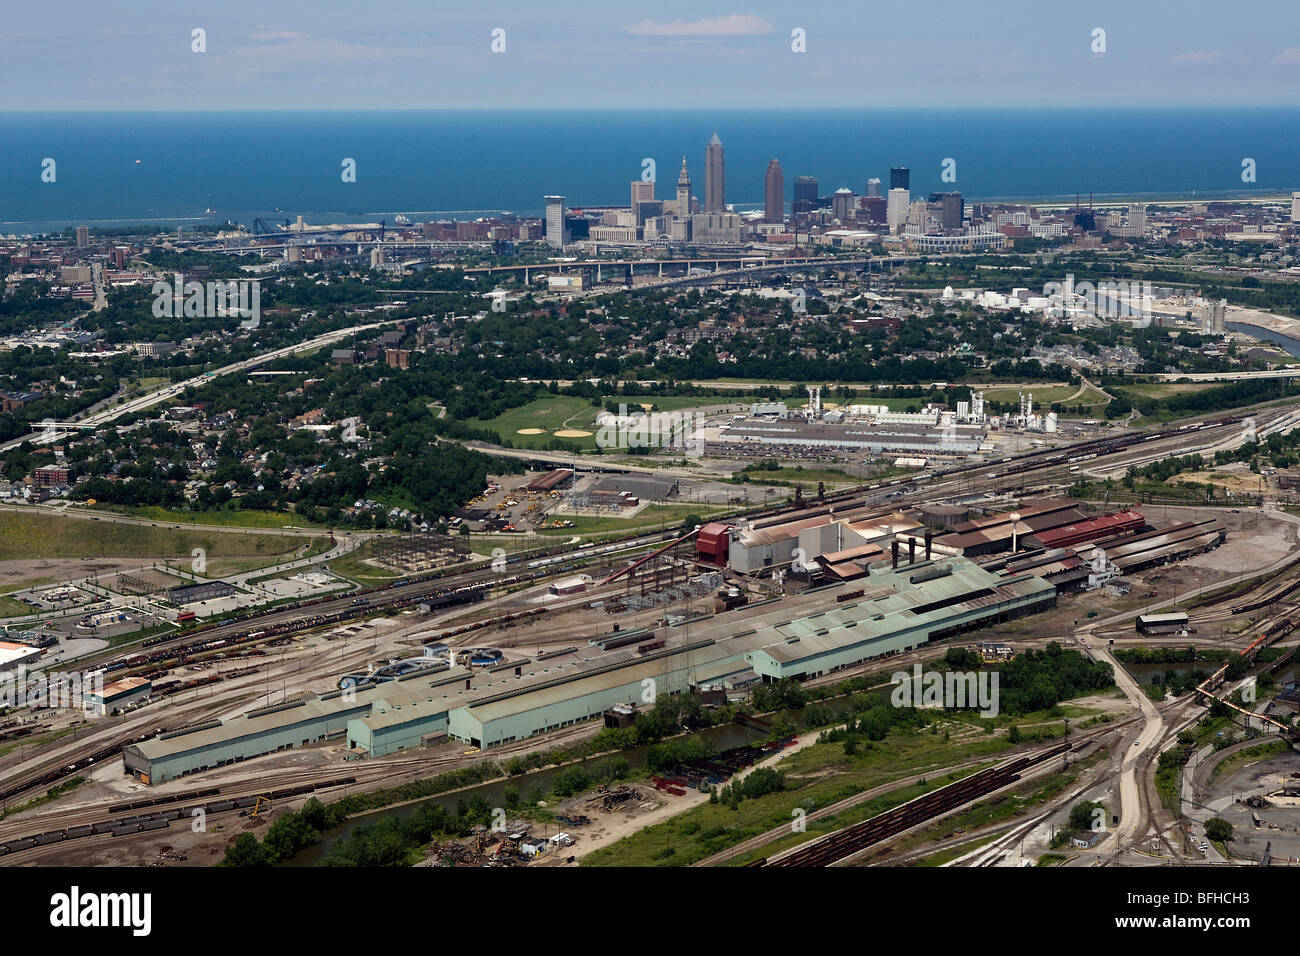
802, 636
877, 439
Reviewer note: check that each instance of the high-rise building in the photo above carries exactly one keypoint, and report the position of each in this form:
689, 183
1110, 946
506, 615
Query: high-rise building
900, 177
845, 203
642, 191
774, 193
805, 190
805, 196
1295, 207
919, 217
83, 237
715, 177
952, 209
896, 211
684, 191
715, 227
874, 188
648, 210
555, 236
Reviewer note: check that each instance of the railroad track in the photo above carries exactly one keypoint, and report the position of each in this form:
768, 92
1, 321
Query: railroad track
851, 840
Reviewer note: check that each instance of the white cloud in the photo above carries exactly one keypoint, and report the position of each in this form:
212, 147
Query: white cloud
1290, 55
277, 35
1197, 56
736, 25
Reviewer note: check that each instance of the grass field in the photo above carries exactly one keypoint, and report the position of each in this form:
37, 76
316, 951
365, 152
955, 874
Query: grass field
815, 777
33, 535
1093, 402
235, 518
1165, 389
353, 566
11, 608
557, 412
1230, 765
652, 516
1043, 397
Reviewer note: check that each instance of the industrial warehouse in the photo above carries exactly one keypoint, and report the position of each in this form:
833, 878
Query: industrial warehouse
874, 583
806, 635
952, 440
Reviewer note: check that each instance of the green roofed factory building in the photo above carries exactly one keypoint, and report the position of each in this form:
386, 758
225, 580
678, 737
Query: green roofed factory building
891, 610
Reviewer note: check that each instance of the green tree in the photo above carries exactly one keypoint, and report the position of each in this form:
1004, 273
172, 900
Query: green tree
245, 851
1082, 815
1218, 829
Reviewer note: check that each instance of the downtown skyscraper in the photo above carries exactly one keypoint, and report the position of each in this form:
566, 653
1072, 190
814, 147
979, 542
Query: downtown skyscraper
774, 193
715, 177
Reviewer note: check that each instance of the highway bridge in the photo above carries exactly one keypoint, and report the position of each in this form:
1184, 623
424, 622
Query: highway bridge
738, 265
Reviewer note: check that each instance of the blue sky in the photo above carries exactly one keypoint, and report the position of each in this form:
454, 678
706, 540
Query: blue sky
432, 54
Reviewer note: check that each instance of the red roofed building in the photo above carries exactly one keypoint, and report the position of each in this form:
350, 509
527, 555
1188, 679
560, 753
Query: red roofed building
713, 544
1120, 522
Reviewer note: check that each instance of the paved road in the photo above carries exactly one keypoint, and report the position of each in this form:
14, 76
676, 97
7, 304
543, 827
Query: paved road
171, 391
1132, 819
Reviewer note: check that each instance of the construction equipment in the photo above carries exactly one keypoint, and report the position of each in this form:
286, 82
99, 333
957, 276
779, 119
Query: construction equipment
257, 807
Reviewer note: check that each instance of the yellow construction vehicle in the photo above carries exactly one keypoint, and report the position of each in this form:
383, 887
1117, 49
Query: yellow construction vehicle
257, 807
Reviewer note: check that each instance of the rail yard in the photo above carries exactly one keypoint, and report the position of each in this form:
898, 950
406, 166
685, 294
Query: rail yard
446, 669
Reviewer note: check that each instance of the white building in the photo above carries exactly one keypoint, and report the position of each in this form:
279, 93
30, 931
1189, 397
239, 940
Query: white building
555, 222
896, 209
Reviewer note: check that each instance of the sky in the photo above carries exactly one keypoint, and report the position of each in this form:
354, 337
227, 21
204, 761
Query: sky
617, 55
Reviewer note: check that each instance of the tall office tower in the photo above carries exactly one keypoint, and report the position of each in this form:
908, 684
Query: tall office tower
642, 191
805, 190
900, 177
555, 236
1295, 207
683, 191
952, 209
715, 177
1137, 217
918, 217
874, 189
774, 193
896, 211
83, 237
845, 203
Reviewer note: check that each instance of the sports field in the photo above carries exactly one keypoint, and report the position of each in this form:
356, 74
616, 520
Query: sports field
573, 420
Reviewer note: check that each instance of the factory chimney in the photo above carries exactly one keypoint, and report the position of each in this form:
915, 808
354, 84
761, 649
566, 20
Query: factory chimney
894, 548
928, 536
911, 550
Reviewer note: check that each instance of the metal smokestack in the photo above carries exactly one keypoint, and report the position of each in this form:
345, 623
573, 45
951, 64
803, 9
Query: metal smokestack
928, 536
894, 548
911, 550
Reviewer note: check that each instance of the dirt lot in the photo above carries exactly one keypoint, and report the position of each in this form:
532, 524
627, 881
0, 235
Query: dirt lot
28, 571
